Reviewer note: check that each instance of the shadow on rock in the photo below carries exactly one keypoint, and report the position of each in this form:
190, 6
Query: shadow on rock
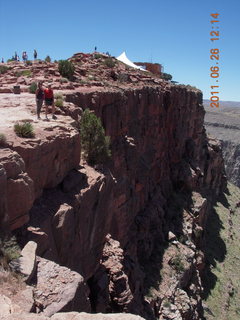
214, 248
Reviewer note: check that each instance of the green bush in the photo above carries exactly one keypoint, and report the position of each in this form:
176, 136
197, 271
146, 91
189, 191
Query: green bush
97, 56
33, 87
95, 144
109, 62
26, 73
166, 76
66, 69
3, 69
177, 263
63, 80
48, 59
3, 140
58, 99
9, 250
59, 103
24, 130
58, 95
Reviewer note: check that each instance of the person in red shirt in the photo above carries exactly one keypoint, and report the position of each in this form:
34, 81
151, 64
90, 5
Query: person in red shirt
49, 101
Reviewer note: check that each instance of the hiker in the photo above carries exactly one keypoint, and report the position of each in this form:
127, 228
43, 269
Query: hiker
35, 54
24, 56
39, 98
15, 56
2, 60
49, 101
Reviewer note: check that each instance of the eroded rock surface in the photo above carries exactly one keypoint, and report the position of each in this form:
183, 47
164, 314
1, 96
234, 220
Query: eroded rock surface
112, 225
59, 289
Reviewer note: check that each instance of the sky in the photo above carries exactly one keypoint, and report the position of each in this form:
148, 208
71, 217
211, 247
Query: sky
173, 33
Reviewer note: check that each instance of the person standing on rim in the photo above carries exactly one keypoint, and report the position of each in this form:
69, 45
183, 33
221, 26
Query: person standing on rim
39, 98
49, 101
35, 54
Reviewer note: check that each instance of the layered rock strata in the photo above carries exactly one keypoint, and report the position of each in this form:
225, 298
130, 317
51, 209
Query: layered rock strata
160, 154
133, 229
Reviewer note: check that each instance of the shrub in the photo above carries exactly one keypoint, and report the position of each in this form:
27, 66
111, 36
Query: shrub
33, 87
123, 77
66, 69
58, 95
166, 76
28, 63
26, 73
48, 59
59, 102
3, 69
3, 140
109, 62
24, 130
58, 99
9, 249
95, 144
177, 263
63, 80
97, 56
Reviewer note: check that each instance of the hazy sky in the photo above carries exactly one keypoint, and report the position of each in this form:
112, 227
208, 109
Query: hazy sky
174, 33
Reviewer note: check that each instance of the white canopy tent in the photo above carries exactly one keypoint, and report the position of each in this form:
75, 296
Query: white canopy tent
123, 58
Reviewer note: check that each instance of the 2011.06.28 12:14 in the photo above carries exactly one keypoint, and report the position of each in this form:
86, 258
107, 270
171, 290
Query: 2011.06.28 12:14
214, 56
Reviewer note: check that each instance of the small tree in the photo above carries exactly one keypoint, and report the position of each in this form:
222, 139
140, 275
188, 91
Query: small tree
166, 76
66, 69
95, 144
48, 59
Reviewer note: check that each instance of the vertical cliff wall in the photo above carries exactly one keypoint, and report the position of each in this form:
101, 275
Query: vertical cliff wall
135, 230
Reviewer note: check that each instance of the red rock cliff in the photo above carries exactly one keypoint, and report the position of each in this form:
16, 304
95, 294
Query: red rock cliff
121, 227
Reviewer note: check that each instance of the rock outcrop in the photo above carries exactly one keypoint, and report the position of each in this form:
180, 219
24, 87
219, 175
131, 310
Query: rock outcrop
30, 165
134, 228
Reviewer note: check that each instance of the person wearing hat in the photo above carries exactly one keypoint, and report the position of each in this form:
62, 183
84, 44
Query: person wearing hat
49, 101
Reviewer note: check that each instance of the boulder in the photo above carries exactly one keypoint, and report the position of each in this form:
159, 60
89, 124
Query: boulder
27, 261
59, 289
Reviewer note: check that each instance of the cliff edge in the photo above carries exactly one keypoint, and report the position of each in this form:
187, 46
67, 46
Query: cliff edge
134, 228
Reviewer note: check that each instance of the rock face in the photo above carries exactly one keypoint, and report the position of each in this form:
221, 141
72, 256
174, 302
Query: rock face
18, 193
112, 225
122, 219
224, 125
29, 165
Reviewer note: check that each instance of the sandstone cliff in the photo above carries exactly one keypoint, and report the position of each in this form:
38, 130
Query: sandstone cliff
133, 229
